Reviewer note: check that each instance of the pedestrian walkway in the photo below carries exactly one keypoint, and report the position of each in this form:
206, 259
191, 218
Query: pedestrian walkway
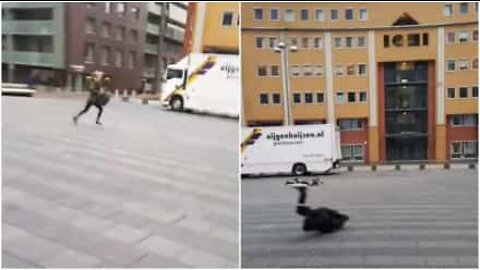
126, 195
397, 220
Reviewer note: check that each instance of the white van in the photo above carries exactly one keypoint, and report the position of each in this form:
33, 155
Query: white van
204, 83
290, 149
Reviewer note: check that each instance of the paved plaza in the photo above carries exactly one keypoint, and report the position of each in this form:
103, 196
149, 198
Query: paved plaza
397, 219
150, 188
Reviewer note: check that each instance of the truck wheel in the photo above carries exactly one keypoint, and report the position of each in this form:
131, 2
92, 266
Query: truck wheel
299, 169
176, 103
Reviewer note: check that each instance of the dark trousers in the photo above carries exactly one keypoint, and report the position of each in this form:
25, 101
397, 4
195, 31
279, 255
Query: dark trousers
87, 107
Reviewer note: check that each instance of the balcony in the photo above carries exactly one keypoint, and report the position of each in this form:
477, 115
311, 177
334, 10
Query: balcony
28, 27
150, 48
175, 35
155, 8
33, 59
153, 29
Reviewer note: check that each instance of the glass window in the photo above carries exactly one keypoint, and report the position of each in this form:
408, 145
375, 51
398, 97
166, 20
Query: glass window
351, 96
450, 37
470, 149
362, 69
318, 70
463, 36
450, 65
319, 16
448, 10
121, 9
263, 98
273, 42
295, 70
274, 14
305, 42
89, 53
320, 98
351, 69
340, 97
425, 39
361, 42
308, 98
463, 8
348, 42
386, 41
337, 42
363, 15
463, 64
276, 99
475, 35
274, 70
259, 42
108, 7
307, 70
227, 19
132, 60
90, 27
136, 13
333, 14
475, 64
120, 33
463, 92
339, 70
451, 92
118, 58
262, 71
363, 96
413, 40
258, 13
293, 41
348, 14
475, 91
289, 15
304, 14
456, 149
297, 98
350, 124
318, 43
106, 29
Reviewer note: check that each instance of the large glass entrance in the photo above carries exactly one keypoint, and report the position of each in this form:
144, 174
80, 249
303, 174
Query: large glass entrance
406, 111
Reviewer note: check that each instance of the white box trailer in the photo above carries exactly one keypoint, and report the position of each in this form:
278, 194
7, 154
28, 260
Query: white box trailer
206, 83
290, 149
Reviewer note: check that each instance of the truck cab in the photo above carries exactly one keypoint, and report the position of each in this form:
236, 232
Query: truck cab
175, 82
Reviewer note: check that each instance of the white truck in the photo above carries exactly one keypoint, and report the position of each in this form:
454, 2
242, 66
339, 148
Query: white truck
207, 83
290, 149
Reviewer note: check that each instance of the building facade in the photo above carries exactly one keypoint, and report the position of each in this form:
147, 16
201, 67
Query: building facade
60, 44
212, 28
106, 37
400, 80
33, 44
165, 30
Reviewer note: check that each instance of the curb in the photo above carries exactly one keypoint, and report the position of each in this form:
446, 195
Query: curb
409, 167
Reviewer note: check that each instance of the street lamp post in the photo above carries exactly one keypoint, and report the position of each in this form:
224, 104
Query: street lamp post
283, 50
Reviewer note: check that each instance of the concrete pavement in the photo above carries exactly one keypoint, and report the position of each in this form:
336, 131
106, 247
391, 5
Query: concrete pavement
397, 220
150, 188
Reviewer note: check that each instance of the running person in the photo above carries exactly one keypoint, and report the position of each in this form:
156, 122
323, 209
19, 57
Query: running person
94, 89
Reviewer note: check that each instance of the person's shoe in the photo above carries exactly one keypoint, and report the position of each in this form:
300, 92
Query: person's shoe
98, 123
75, 120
